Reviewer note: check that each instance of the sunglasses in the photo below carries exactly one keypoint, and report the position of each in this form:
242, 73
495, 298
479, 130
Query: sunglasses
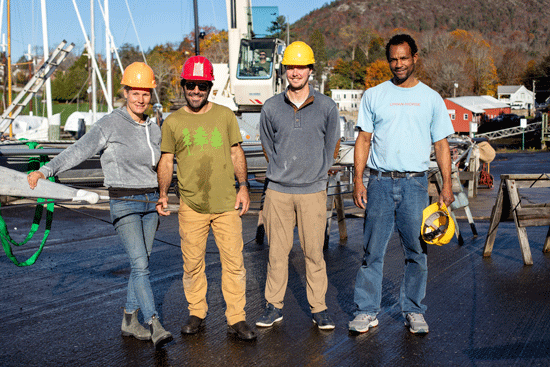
203, 87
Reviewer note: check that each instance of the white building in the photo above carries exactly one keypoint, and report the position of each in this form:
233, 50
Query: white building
347, 99
517, 96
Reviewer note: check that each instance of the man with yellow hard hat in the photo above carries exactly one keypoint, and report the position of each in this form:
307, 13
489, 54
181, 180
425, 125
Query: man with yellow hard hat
298, 130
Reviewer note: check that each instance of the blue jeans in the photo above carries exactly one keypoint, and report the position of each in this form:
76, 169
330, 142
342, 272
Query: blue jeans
136, 224
393, 203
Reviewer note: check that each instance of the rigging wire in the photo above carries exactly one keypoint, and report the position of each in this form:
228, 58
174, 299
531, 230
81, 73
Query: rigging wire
139, 43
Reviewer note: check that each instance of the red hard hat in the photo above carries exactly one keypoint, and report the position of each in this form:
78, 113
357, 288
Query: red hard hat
198, 68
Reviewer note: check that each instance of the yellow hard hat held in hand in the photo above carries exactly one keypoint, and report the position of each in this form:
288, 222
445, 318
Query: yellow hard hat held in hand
438, 227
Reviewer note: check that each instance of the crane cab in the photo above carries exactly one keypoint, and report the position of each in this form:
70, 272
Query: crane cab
259, 74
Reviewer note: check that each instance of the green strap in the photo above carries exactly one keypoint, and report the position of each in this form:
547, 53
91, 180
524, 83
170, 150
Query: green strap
7, 241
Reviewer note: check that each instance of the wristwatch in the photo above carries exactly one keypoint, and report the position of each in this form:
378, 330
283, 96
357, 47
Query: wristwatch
244, 183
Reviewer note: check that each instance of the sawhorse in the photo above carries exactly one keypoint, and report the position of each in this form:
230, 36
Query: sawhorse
508, 207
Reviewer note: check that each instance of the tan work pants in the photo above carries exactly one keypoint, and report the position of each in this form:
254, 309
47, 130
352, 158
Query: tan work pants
227, 229
281, 213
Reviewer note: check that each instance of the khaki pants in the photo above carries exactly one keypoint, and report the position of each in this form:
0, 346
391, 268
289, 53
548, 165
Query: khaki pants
281, 213
227, 229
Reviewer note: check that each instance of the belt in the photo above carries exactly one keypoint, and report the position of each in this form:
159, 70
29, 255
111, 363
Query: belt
396, 174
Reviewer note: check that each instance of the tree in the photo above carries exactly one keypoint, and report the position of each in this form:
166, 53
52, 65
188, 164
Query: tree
216, 139
317, 44
72, 84
200, 137
376, 73
187, 140
347, 75
278, 27
215, 46
129, 54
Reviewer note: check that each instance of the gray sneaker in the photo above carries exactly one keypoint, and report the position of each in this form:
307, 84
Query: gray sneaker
271, 315
363, 322
416, 323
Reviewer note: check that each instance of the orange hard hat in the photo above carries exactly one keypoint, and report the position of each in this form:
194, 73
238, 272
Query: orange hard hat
198, 68
139, 75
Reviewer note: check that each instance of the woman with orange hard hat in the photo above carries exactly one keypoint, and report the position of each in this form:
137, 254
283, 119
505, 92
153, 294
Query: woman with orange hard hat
128, 143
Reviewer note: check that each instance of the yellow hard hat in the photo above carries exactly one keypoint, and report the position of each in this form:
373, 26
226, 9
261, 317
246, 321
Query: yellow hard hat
138, 75
437, 225
298, 53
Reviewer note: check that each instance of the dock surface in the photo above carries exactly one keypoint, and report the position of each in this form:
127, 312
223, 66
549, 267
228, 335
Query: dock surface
66, 309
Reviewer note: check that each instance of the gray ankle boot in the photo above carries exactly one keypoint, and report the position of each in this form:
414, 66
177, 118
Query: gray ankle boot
132, 327
158, 334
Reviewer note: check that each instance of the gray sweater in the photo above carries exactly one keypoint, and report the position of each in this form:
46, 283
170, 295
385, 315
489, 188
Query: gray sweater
129, 151
299, 142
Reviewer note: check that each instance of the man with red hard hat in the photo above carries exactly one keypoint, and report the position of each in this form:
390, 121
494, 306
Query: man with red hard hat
204, 137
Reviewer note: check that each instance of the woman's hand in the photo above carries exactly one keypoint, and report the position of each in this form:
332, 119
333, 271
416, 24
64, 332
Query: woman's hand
33, 178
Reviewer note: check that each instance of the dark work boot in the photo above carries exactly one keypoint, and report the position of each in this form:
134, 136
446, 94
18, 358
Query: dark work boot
242, 331
132, 327
158, 334
192, 326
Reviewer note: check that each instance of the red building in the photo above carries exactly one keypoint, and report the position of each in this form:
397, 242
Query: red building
464, 110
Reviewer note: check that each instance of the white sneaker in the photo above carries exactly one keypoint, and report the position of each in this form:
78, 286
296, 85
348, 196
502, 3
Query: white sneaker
363, 322
416, 323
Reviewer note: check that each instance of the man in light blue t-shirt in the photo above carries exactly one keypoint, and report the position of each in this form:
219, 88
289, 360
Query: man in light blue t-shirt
399, 121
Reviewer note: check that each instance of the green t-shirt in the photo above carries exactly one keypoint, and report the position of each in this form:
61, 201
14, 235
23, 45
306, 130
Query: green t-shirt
202, 145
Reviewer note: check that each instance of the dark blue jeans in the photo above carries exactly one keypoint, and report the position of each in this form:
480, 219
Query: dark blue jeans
393, 204
136, 224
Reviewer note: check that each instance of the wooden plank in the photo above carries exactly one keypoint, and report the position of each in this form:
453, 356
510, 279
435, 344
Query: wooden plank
340, 214
534, 216
534, 222
496, 214
532, 184
522, 232
466, 175
525, 176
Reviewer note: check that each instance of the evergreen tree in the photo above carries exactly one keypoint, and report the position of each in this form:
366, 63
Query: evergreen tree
200, 137
317, 44
71, 84
187, 140
216, 139
278, 27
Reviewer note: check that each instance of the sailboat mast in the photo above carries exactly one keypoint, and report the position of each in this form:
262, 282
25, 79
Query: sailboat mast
46, 56
108, 57
9, 60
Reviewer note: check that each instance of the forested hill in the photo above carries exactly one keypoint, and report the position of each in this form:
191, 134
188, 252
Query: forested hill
512, 24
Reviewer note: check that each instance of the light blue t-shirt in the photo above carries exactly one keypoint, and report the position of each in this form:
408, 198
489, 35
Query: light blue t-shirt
404, 122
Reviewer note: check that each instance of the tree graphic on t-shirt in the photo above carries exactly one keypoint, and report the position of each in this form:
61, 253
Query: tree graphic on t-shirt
200, 137
216, 138
187, 140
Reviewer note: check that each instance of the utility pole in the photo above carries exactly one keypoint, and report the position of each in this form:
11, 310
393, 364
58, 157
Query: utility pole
534, 98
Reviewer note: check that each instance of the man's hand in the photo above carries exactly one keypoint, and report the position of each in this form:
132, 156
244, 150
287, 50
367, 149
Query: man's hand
446, 196
242, 199
162, 204
33, 178
359, 193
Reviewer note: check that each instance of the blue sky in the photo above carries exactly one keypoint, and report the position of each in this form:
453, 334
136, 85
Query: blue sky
157, 22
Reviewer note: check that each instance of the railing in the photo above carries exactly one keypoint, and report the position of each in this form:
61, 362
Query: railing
504, 133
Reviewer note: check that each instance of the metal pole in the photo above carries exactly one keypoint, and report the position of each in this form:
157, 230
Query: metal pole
108, 57
9, 62
94, 63
94, 76
49, 107
197, 46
